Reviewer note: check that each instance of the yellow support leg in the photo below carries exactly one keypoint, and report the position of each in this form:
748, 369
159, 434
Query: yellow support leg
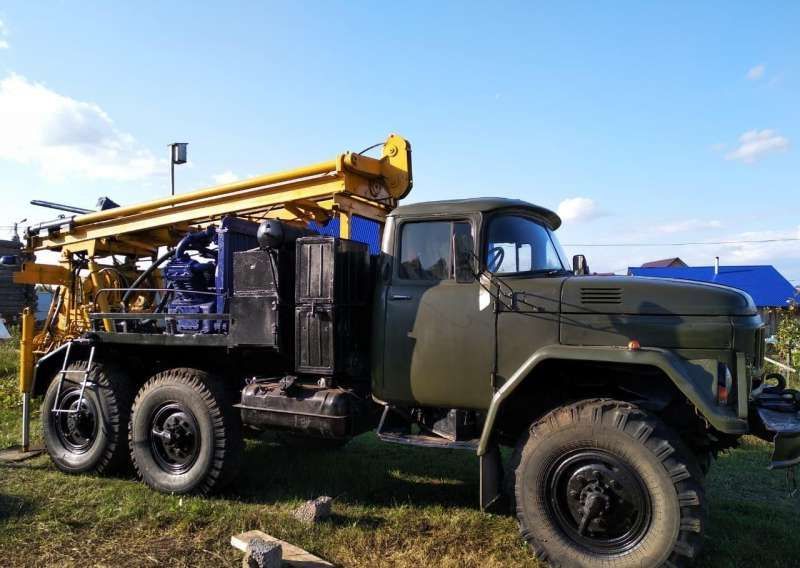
26, 373
26, 351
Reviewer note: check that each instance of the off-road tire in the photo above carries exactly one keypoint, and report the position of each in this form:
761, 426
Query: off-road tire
109, 398
218, 426
672, 482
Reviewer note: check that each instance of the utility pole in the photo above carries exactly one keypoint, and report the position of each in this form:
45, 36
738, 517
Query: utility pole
177, 156
16, 229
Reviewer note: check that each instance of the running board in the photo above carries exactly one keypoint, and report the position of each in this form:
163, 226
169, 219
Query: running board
425, 440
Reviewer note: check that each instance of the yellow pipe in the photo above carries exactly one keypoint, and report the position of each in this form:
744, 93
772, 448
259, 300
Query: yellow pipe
102, 299
26, 351
118, 212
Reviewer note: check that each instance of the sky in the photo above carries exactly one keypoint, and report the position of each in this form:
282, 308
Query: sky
645, 125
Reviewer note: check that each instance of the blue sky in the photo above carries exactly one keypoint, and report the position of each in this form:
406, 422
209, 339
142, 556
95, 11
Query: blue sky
641, 123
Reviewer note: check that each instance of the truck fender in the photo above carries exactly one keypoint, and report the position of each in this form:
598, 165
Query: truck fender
47, 366
679, 372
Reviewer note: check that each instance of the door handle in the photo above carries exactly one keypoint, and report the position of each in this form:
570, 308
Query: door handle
399, 297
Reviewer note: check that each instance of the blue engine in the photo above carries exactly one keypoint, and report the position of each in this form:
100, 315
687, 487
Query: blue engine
195, 292
202, 285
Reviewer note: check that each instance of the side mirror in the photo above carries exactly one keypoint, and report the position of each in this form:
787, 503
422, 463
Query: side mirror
579, 265
464, 257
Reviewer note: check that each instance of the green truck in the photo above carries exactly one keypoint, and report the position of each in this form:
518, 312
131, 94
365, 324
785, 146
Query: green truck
469, 330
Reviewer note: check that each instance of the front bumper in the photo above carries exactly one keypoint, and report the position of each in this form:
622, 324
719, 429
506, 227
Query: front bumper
785, 428
775, 417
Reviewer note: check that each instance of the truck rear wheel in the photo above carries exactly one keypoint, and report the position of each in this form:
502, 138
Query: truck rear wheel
185, 436
601, 482
90, 436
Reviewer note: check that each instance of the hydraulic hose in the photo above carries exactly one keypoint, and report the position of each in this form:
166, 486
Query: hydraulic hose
158, 262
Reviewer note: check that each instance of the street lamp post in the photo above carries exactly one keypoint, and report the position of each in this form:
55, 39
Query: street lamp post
177, 156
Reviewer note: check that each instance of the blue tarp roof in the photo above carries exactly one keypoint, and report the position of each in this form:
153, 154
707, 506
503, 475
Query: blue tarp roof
767, 287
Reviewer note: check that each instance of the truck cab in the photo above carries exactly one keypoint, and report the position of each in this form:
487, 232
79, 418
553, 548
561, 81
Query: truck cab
436, 320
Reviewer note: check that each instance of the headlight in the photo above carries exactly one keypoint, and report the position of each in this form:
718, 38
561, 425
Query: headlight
724, 383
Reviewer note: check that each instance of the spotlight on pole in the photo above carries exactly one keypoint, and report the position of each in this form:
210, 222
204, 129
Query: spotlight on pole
177, 156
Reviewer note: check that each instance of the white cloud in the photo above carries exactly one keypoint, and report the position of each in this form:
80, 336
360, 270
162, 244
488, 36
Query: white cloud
753, 144
579, 209
226, 177
3, 44
66, 137
688, 225
756, 73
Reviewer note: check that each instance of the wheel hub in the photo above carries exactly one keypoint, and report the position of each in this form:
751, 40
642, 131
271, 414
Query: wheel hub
175, 438
75, 426
599, 501
79, 423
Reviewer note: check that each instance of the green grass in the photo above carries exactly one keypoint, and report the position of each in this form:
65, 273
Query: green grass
394, 506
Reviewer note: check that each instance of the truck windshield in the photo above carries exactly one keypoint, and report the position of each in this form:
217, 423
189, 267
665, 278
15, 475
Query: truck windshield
518, 244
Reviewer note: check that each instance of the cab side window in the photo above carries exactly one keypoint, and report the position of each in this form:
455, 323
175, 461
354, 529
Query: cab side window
426, 249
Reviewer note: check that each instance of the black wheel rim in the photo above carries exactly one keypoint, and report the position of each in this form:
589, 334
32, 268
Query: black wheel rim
174, 437
76, 426
598, 501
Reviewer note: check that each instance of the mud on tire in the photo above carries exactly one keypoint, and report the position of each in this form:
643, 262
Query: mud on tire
603, 483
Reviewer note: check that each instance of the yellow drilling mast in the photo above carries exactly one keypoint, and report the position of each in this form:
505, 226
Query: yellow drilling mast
91, 244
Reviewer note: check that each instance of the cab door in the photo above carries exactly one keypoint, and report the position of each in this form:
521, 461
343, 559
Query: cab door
437, 335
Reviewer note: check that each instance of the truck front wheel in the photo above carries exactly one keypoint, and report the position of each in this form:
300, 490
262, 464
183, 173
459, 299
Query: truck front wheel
185, 435
601, 482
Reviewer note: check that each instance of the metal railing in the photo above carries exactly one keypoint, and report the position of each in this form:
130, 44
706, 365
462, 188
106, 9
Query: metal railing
780, 365
169, 319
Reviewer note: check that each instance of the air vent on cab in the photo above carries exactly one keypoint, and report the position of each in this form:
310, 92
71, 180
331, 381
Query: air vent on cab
595, 296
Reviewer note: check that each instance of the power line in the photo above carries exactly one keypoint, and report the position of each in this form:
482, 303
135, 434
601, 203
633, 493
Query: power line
697, 243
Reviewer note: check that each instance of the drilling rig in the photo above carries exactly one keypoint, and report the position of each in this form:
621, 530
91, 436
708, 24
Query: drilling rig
127, 262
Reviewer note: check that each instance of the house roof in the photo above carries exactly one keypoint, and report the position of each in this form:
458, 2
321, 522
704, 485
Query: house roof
664, 263
767, 287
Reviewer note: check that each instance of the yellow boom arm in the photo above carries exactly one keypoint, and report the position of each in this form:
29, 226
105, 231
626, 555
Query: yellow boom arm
350, 183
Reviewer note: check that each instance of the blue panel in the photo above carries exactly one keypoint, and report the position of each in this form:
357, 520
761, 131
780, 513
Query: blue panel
233, 235
366, 231
361, 229
329, 230
767, 287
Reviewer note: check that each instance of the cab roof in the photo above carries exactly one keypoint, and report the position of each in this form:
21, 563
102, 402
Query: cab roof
479, 205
